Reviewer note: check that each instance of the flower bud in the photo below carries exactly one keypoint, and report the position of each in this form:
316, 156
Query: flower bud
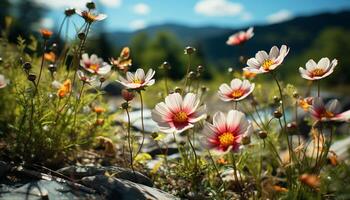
191, 75
45, 33
166, 65
52, 68
277, 114
230, 70
204, 89
69, 12
127, 96
262, 134
296, 94
99, 122
1, 60
27, 66
200, 68
90, 5
189, 50
245, 140
292, 127
31, 77
125, 105
178, 90
276, 99
81, 36
102, 79
154, 135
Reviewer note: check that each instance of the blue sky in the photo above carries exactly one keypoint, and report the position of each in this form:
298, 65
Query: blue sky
127, 15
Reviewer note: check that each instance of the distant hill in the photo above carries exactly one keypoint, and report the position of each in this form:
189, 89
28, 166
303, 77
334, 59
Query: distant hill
298, 33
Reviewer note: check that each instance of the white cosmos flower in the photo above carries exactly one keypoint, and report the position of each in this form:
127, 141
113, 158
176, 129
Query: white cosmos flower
85, 78
316, 71
138, 80
94, 64
91, 16
178, 114
240, 37
237, 90
3, 81
263, 62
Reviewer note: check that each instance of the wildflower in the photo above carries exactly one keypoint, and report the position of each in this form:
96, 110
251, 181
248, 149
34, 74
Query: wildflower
333, 158
189, 50
177, 114
3, 81
263, 62
221, 161
99, 122
305, 103
310, 180
237, 90
63, 89
91, 17
108, 145
240, 37
50, 56
138, 80
123, 62
316, 71
127, 96
226, 132
94, 64
278, 188
248, 75
328, 112
69, 12
85, 78
45, 33
98, 109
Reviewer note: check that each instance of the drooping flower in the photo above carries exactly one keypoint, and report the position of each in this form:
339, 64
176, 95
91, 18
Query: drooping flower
227, 131
305, 103
237, 90
328, 112
3, 81
138, 80
94, 64
63, 89
316, 71
98, 109
45, 33
90, 16
263, 62
178, 114
85, 78
123, 62
240, 37
127, 95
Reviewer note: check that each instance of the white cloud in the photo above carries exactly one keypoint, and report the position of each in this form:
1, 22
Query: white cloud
279, 16
218, 8
59, 4
141, 9
137, 24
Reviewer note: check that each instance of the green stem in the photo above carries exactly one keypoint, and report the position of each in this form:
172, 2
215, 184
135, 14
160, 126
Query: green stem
142, 124
41, 65
318, 88
187, 72
130, 141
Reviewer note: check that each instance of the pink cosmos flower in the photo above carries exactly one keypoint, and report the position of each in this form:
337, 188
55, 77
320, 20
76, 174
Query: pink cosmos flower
237, 90
176, 114
138, 80
94, 64
85, 78
3, 81
240, 37
263, 62
227, 131
316, 71
328, 112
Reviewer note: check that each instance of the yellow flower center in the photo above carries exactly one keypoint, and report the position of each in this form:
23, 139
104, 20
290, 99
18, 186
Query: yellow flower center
226, 139
327, 114
267, 64
137, 81
89, 16
94, 67
317, 72
237, 93
180, 117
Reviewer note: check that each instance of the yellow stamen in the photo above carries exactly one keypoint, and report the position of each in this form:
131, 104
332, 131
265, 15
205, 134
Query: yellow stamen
267, 64
226, 139
317, 72
237, 93
137, 81
327, 114
180, 117
94, 67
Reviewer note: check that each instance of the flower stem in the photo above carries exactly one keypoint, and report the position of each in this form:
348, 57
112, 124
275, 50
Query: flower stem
142, 125
318, 88
130, 141
41, 65
187, 72
194, 151
235, 172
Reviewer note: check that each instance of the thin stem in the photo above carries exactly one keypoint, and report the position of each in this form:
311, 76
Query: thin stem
318, 88
216, 169
235, 172
77, 104
187, 72
129, 141
41, 65
194, 151
142, 124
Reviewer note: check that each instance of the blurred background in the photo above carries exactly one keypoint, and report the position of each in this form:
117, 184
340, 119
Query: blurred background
159, 30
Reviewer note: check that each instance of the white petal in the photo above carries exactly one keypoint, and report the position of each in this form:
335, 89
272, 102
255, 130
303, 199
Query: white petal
198, 115
140, 74
130, 77
225, 89
174, 102
104, 70
310, 65
236, 83
261, 56
253, 63
190, 103
219, 121
233, 119
274, 52
323, 63
333, 106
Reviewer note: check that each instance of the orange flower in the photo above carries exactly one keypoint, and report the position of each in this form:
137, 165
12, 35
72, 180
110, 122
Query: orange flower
249, 75
64, 89
310, 180
50, 56
123, 62
333, 158
221, 161
99, 122
98, 109
45, 33
278, 188
305, 103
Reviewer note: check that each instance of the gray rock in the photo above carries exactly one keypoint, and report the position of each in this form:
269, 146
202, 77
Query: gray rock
79, 172
113, 188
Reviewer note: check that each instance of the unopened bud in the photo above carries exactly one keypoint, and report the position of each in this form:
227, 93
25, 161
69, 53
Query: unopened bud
277, 114
52, 68
276, 99
200, 68
296, 94
125, 105
81, 36
90, 5
245, 140
127, 96
99, 122
230, 70
204, 89
31, 77
189, 50
166, 65
191, 75
178, 90
102, 79
291, 127
154, 135
262, 134
69, 12
27, 66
